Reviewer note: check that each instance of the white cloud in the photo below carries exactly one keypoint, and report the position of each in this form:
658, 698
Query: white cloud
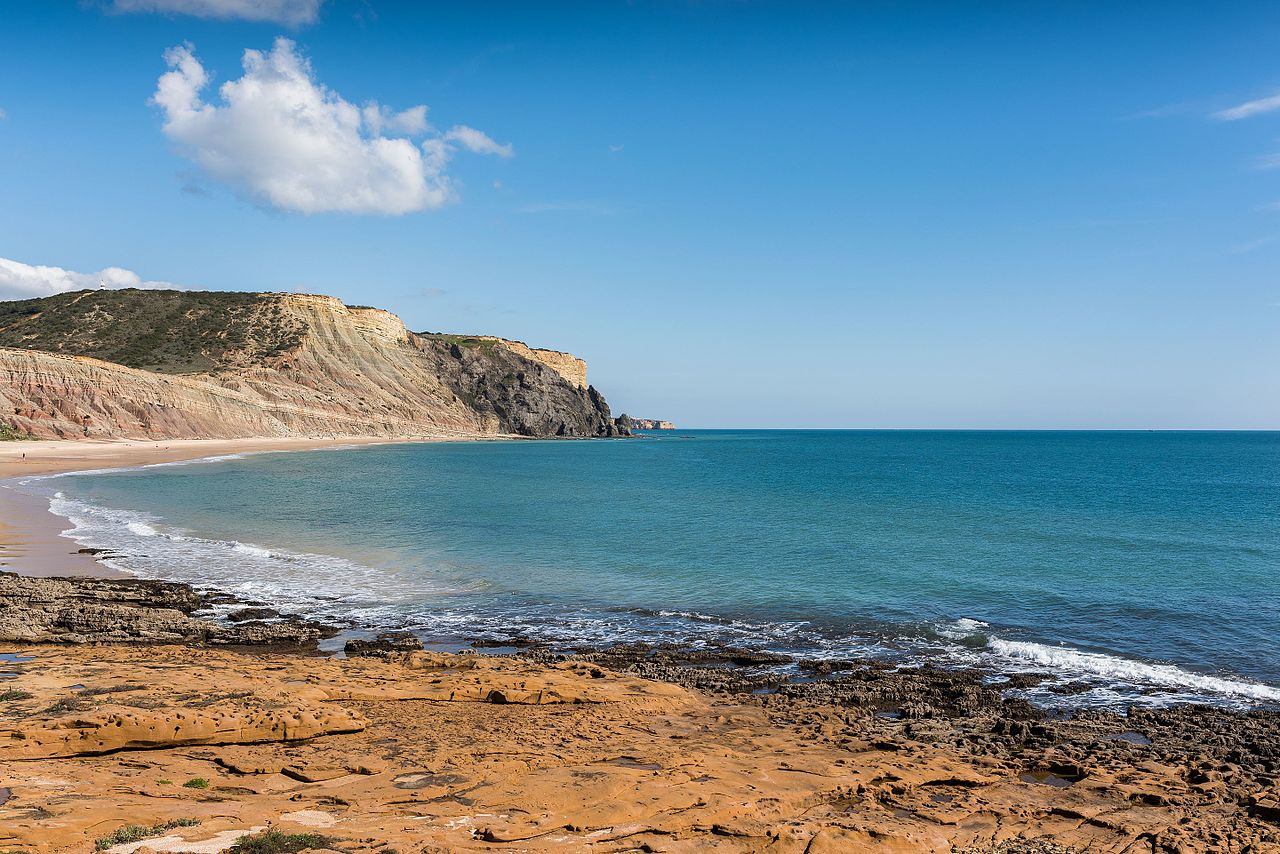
3, 114
477, 141
1250, 108
289, 12
410, 122
23, 281
284, 138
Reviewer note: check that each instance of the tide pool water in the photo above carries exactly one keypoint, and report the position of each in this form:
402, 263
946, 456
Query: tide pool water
1137, 567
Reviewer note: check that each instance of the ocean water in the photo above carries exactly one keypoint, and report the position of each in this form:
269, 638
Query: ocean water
1133, 567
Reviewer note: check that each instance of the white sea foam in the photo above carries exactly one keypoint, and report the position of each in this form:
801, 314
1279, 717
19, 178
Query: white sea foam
142, 529
1078, 662
965, 627
217, 458
333, 588
316, 584
222, 457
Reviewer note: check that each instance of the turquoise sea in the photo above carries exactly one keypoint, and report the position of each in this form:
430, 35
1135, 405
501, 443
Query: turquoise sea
1134, 567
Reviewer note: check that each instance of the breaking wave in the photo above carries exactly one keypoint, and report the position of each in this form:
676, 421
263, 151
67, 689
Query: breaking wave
1124, 672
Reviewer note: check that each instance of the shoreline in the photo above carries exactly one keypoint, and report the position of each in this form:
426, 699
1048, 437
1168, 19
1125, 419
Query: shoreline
635, 748
31, 540
32, 544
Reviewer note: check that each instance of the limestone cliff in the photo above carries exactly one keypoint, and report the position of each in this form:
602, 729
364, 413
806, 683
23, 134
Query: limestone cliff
171, 364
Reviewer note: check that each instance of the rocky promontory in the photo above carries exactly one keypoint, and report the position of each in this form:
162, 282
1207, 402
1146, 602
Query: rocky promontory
632, 423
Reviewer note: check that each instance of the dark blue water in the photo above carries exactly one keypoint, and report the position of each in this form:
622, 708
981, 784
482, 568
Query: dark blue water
1147, 564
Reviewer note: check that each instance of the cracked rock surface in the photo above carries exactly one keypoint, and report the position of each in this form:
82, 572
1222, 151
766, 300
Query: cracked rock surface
426, 752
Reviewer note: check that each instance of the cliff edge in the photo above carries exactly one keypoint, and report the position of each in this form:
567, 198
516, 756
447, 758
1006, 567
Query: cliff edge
180, 364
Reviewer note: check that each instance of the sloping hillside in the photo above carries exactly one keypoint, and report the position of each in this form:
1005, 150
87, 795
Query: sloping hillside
173, 332
172, 364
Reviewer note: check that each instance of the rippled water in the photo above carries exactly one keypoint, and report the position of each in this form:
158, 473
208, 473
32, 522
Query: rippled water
1137, 565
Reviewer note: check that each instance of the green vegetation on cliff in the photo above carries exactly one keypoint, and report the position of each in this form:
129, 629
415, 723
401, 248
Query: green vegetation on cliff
172, 332
470, 342
9, 433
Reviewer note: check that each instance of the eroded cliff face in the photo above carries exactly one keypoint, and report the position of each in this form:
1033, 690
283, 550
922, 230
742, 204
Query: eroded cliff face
278, 365
566, 365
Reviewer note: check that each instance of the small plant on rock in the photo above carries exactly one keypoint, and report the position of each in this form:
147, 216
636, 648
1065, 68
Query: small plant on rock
273, 841
197, 783
135, 832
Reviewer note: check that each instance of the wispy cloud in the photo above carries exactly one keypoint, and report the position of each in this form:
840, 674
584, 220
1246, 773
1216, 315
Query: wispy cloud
1253, 245
1167, 111
292, 13
477, 141
585, 207
282, 137
1257, 107
23, 281
3, 114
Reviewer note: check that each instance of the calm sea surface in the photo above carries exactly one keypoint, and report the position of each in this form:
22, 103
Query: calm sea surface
1132, 566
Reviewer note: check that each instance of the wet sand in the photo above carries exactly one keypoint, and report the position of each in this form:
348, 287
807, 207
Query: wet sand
31, 541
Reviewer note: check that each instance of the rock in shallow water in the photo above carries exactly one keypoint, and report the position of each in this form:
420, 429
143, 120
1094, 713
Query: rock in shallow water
97, 610
383, 645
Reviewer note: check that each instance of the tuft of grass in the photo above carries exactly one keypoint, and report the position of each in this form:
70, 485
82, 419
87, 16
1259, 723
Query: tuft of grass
68, 704
11, 694
135, 832
196, 783
164, 782
274, 842
111, 689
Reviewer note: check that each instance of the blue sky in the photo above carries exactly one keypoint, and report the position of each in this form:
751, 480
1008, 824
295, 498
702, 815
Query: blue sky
765, 214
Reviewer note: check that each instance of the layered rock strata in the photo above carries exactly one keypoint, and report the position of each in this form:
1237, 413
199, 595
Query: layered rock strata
245, 365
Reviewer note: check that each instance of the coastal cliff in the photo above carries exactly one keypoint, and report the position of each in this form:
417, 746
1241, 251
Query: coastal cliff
175, 364
633, 423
